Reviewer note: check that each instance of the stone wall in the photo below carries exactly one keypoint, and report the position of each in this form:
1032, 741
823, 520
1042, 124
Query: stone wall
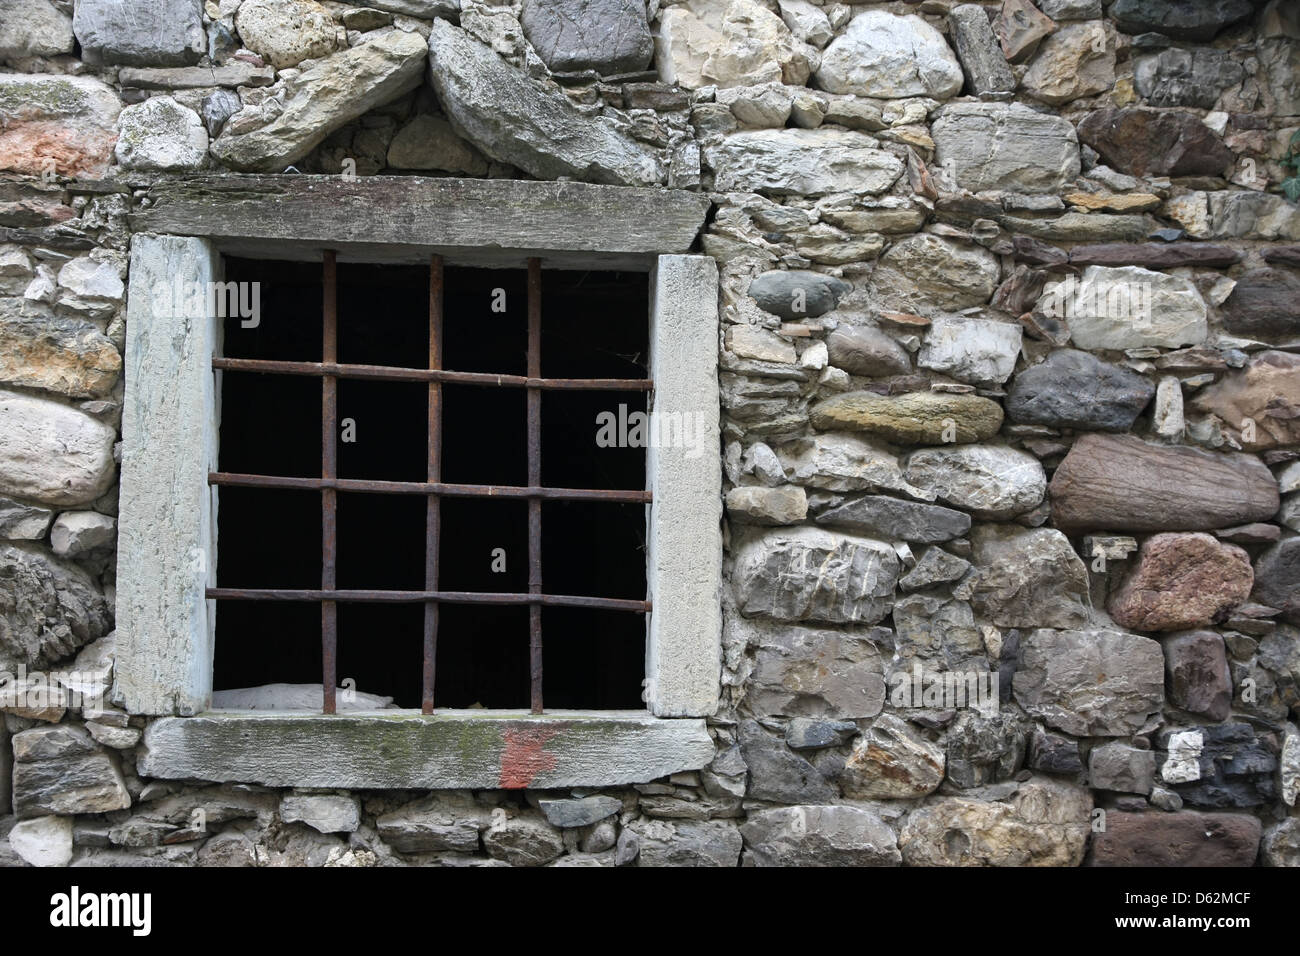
1010, 377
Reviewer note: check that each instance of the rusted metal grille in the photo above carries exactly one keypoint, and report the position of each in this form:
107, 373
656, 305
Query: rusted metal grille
329, 370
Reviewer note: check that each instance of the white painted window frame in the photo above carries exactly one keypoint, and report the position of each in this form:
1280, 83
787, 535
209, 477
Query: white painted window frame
167, 556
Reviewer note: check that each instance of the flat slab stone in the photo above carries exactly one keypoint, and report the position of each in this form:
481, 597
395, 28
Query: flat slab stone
479, 749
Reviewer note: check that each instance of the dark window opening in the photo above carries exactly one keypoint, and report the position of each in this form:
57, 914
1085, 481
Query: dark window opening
593, 325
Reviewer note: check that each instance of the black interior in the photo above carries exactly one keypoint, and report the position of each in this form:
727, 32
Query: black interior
593, 325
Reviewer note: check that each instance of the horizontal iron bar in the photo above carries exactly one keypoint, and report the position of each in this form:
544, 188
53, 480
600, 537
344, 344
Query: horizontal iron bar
367, 486
419, 597
387, 373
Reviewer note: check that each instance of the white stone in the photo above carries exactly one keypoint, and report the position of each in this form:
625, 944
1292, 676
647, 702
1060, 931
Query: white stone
753, 342
890, 56
815, 356
286, 32
1167, 416
327, 813
1127, 307
1183, 763
160, 135
979, 351
34, 28
292, 697
1290, 765
837, 461
806, 21
809, 162
77, 532
95, 280
993, 481
727, 43
52, 454
44, 841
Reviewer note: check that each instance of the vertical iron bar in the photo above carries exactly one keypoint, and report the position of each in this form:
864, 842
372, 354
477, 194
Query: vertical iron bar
535, 480
329, 469
433, 511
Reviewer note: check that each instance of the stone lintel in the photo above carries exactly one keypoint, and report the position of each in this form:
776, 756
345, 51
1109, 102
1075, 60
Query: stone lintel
394, 749
406, 218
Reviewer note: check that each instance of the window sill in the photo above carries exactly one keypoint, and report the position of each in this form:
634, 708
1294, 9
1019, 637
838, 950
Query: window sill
401, 749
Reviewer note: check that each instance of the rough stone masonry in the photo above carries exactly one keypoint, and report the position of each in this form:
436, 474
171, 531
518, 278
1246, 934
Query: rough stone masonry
1010, 388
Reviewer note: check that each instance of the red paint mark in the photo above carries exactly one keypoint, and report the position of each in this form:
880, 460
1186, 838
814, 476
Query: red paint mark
523, 759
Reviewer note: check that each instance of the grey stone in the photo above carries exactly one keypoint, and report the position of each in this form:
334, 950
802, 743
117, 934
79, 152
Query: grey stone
776, 772
1281, 843
1005, 146
140, 32
1177, 77
892, 761
974, 350
1044, 822
879, 516
772, 506
518, 120
1074, 389
1119, 767
806, 162
807, 22
687, 843
48, 607
984, 749
52, 454
934, 566
327, 813
1095, 683
939, 629
843, 462
804, 733
438, 823
218, 107
1027, 577
160, 135
608, 36
990, 481
429, 142
62, 770
1196, 666
797, 294
23, 522
864, 350
524, 840
1277, 578
1180, 19
119, 738
889, 56
231, 74
1077, 60
981, 56
1054, 753
78, 533
321, 99
812, 672
1071, 9
926, 270
579, 812
818, 836
855, 580
1220, 766
33, 28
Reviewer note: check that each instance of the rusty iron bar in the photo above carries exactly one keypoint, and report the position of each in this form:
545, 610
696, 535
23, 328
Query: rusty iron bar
415, 597
534, 481
329, 622
445, 490
433, 507
389, 373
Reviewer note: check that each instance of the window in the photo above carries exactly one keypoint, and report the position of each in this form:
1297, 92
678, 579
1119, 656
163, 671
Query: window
171, 517
433, 503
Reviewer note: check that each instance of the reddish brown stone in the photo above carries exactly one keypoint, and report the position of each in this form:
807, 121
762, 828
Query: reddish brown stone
1264, 302
1196, 674
1155, 142
1185, 838
1182, 581
1259, 404
1121, 483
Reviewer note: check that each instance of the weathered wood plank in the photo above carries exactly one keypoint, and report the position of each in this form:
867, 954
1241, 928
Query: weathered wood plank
426, 214
404, 749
